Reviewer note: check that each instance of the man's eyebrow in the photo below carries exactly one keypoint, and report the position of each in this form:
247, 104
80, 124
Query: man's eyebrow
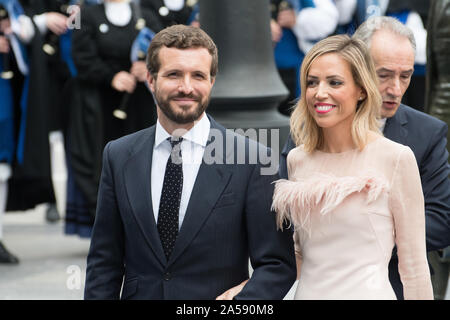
410, 71
385, 70
200, 71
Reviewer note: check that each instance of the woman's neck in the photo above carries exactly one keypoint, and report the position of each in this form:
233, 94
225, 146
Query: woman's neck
337, 142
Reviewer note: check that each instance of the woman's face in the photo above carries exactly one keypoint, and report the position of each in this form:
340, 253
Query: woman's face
331, 92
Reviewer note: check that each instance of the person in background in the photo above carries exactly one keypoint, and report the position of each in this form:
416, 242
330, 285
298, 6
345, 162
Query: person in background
295, 26
7, 146
25, 178
353, 13
51, 20
415, 95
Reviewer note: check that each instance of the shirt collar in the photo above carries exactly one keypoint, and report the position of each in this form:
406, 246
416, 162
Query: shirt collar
198, 134
382, 122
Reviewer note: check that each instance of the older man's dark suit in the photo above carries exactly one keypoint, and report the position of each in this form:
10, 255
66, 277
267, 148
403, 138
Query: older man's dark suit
228, 220
426, 136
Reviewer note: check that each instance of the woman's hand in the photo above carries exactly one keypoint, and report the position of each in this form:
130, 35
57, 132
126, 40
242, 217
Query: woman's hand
231, 293
124, 81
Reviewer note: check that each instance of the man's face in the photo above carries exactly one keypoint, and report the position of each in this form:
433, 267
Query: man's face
393, 56
183, 85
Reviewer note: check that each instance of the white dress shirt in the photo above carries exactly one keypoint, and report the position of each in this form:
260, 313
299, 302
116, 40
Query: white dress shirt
192, 150
382, 123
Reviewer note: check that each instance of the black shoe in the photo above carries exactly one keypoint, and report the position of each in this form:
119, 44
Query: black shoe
52, 214
6, 256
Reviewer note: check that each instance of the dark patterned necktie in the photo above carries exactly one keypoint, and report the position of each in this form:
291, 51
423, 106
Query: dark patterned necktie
169, 206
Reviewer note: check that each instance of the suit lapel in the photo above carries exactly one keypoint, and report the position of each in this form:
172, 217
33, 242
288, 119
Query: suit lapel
209, 185
395, 128
138, 187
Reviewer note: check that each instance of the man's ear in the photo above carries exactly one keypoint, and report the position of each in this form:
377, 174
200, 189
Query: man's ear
151, 81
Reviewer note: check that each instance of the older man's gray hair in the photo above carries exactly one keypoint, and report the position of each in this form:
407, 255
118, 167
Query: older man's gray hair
366, 30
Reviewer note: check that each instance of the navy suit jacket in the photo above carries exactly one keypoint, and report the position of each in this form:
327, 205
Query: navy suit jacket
427, 137
228, 221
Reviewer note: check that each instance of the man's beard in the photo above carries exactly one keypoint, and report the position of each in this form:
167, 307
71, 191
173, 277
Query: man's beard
181, 117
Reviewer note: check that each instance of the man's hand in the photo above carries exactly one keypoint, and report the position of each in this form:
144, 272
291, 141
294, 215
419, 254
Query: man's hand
231, 293
124, 81
56, 22
4, 45
139, 70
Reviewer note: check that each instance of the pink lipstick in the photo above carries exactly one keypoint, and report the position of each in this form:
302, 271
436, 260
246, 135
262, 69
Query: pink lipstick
324, 107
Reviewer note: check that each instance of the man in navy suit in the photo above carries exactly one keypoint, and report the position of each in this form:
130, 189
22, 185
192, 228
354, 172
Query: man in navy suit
220, 206
392, 47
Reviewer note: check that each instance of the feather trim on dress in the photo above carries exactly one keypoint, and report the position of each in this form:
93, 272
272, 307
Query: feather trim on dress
293, 200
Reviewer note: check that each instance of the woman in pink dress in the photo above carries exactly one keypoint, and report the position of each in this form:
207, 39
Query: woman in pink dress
352, 194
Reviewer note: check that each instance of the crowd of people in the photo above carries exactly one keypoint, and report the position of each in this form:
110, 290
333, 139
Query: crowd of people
364, 172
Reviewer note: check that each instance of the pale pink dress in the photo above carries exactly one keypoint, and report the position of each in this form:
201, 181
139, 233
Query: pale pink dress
348, 210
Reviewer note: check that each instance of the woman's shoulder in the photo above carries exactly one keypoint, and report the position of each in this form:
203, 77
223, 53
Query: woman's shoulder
390, 152
297, 159
389, 146
298, 153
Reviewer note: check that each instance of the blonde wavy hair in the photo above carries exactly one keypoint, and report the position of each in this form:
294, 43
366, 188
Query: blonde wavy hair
304, 129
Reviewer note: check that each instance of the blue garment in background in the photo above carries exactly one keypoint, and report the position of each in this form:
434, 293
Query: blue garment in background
7, 142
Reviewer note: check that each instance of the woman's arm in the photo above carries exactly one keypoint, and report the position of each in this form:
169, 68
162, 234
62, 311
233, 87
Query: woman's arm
407, 206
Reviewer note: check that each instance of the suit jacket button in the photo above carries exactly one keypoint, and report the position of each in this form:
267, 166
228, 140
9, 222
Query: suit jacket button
167, 276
